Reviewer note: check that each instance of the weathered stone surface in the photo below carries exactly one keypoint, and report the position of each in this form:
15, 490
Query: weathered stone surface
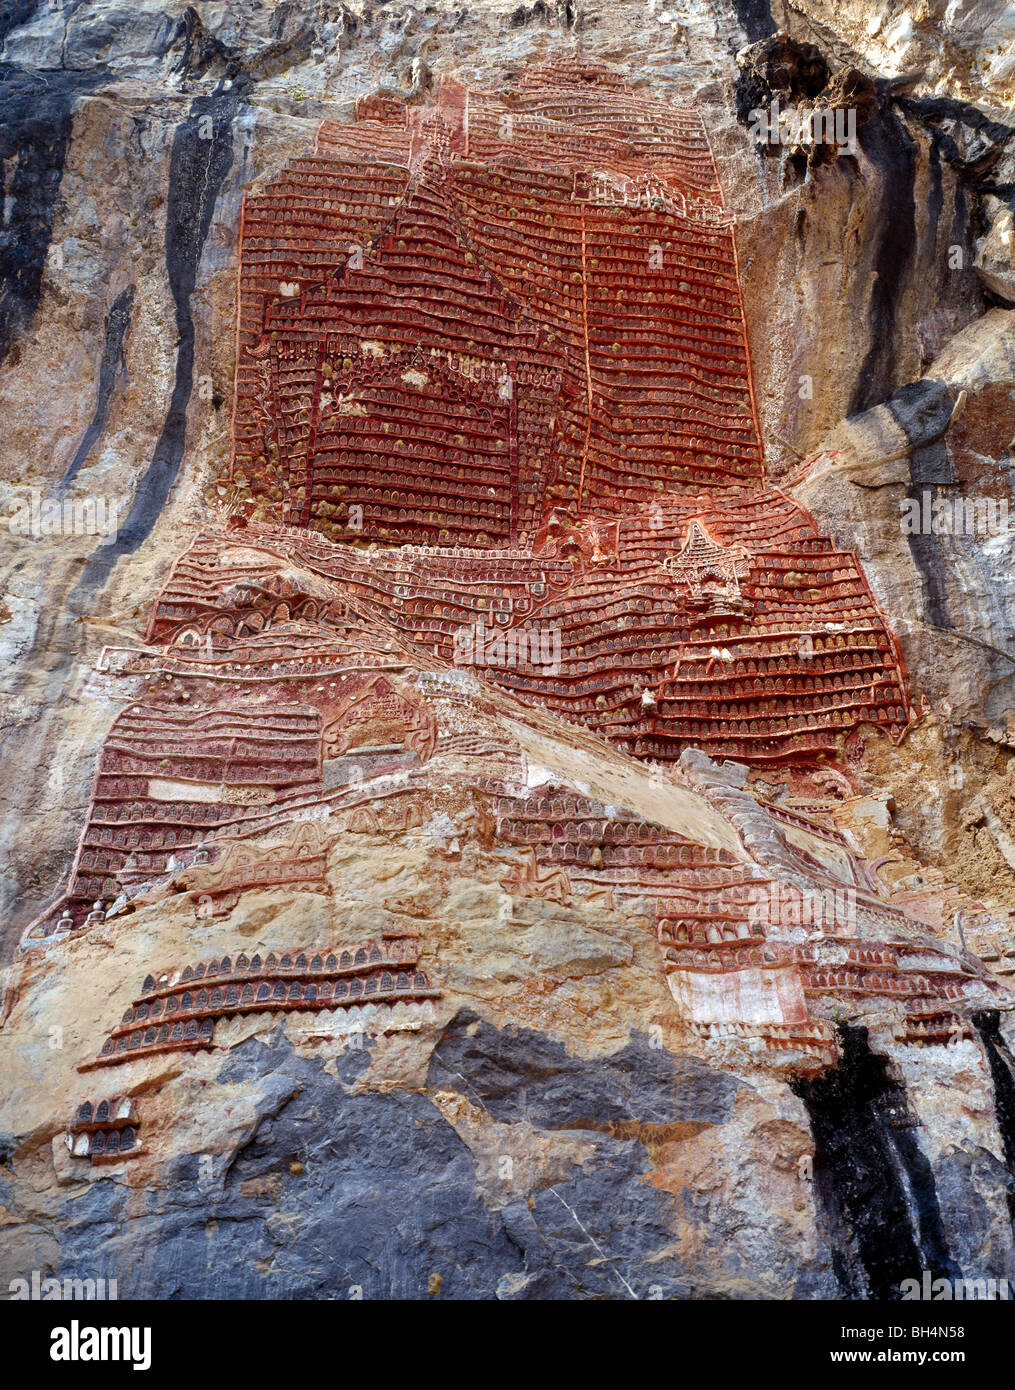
709, 1030
995, 253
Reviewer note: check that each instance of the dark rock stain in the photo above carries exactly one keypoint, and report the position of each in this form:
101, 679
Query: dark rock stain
922, 410
891, 148
874, 1183
338, 1187
970, 140
112, 370
519, 1074
1002, 1072
15, 13
35, 131
196, 51
755, 18
202, 155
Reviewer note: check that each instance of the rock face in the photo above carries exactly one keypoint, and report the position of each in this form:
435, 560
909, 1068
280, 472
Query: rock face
508, 767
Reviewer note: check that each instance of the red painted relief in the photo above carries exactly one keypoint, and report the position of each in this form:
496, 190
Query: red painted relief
746, 949
494, 433
180, 1014
454, 315
105, 1131
509, 329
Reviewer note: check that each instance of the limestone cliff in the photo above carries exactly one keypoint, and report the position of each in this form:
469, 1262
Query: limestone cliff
509, 778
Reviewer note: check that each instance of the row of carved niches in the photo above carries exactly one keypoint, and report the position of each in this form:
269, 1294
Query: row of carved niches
735, 939
212, 875
811, 1045
213, 798
180, 1009
580, 833
171, 777
763, 643
251, 737
453, 316
725, 966
105, 1131
724, 927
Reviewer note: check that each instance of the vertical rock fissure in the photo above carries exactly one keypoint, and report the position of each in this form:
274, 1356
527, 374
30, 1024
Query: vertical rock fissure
1002, 1072
874, 1183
